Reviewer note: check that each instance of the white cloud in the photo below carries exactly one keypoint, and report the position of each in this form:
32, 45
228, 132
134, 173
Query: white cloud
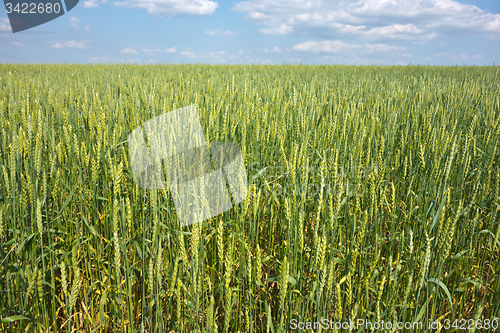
150, 51
97, 59
275, 49
324, 46
74, 22
209, 32
5, 24
337, 46
371, 19
90, 4
398, 31
86, 28
383, 48
258, 16
260, 61
215, 55
461, 56
240, 52
465, 56
128, 51
171, 50
189, 54
71, 45
206, 55
217, 32
19, 44
407, 55
280, 30
162, 8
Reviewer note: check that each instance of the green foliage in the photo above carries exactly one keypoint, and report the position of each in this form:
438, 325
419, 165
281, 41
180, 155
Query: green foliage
373, 194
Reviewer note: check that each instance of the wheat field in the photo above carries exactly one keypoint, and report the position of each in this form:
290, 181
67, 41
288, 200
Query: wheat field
373, 194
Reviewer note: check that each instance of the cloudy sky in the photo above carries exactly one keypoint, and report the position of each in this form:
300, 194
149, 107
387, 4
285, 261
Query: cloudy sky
387, 32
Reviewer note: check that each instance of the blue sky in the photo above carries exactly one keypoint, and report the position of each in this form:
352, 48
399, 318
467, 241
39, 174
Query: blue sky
378, 32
